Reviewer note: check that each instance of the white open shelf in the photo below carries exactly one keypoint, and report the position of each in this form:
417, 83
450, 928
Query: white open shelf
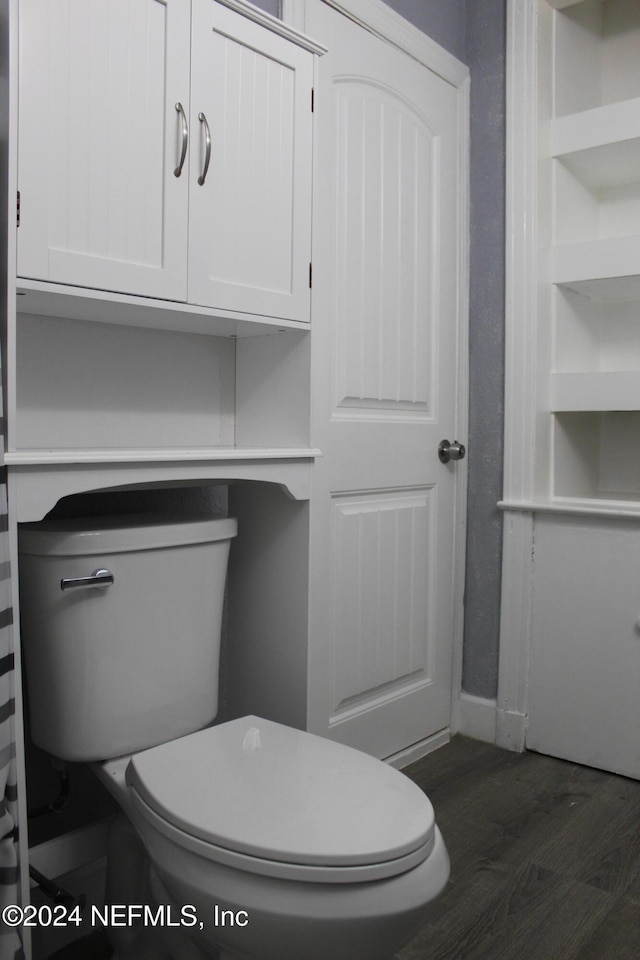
606, 260
38, 479
40, 298
596, 54
561, 4
613, 125
144, 455
594, 391
79, 386
596, 456
597, 174
606, 290
594, 335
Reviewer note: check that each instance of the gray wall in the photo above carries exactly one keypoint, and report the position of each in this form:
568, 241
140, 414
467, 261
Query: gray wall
474, 31
485, 50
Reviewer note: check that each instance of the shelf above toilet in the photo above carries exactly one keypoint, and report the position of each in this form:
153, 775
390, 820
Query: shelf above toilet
39, 478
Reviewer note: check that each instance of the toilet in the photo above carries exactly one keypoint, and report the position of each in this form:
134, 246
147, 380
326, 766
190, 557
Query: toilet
247, 839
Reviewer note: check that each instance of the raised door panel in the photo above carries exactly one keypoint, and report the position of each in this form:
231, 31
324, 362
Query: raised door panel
385, 266
99, 140
386, 668
250, 221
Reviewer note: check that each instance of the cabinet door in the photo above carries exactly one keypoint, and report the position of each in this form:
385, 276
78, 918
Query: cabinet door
99, 140
250, 221
584, 683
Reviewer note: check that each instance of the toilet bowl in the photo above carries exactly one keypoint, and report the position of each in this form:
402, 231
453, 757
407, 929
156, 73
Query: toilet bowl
284, 844
249, 839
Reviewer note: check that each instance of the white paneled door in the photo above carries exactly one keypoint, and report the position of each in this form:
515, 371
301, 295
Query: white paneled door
386, 317
100, 137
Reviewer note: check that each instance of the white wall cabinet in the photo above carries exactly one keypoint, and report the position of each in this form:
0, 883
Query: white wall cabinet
165, 151
139, 289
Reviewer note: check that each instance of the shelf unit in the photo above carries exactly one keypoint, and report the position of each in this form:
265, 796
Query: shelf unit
569, 666
590, 211
108, 365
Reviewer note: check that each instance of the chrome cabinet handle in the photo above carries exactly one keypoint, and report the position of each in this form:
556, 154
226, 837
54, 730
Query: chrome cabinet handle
207, 152
185, 140
99, 578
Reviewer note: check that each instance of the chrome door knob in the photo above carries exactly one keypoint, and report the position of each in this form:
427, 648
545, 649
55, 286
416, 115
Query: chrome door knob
451, 451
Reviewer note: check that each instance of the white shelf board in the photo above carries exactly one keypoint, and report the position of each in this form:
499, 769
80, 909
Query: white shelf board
157, 455
597, 391
607, 290
39, 478
611, 125
561, 4
607, 166
580, 506
611, 258
78, 303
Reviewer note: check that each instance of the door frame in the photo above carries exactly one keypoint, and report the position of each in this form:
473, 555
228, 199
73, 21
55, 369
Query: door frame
379, 19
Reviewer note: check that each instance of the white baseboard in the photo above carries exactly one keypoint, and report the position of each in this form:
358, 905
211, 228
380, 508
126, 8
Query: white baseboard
511, 730
418, 750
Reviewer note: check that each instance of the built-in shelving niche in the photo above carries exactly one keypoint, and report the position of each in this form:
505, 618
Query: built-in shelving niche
596, 53
596, 456
594, 303
99, 386
594, 393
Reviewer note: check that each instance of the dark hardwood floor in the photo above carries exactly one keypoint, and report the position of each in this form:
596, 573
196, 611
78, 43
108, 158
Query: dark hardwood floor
545, 858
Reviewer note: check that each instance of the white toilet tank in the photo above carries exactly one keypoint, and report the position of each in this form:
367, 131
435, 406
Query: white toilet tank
115, 667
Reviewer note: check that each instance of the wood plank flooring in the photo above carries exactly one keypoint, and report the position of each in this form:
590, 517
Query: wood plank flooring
545, 858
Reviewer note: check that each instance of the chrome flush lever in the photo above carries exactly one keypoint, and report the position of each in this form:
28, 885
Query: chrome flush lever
99, 578
451, 451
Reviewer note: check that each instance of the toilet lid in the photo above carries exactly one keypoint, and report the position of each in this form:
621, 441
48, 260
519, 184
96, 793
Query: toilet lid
265, 790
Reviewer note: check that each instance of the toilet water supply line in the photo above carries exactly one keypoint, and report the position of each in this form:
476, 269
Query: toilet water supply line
49, 887
55, 892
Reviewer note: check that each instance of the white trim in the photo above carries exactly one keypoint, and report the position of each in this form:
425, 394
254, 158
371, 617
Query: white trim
520, 367
475, 717
462, 412
419, 750
521, 249
293, 13
570, 507
511, 730
515, 630
275, 24
378, 17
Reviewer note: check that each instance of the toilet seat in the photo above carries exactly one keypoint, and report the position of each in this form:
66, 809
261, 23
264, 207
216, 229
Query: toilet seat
290, 804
